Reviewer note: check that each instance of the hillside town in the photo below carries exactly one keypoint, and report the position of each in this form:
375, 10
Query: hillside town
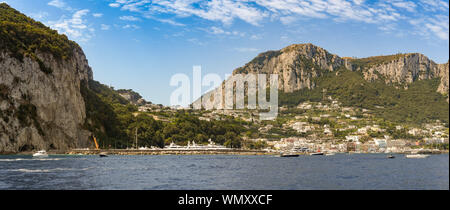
326, 126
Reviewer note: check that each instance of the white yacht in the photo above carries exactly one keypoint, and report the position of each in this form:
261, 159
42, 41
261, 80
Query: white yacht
417, 156
40, 154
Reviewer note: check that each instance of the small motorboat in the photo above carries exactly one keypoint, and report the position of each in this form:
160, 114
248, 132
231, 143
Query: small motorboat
330, 154
316, 153
289, 155
40, 154
103, 154
390, 156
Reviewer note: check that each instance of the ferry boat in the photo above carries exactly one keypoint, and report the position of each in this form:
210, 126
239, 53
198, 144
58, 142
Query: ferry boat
193, 146
40, 154
417, 156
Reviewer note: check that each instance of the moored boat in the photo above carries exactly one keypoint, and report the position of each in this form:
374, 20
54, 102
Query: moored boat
417, 156
40, 154
289, 155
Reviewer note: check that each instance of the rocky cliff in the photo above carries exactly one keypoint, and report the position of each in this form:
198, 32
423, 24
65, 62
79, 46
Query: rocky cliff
295, 65
41, 106
402, 69
298, 64
133, 97
41, 111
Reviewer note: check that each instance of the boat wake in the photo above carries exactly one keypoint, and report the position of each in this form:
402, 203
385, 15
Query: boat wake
26, 159
23, 170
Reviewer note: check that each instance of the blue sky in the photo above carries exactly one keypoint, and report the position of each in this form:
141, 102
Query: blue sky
141, 44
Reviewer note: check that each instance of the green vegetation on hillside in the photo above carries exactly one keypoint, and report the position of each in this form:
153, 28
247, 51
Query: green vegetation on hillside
417, 104
114, 121
23, 36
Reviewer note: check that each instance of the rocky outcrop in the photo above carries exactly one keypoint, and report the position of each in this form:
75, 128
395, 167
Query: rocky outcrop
407, 68
133, 97
42, 110
443, 73
296, 65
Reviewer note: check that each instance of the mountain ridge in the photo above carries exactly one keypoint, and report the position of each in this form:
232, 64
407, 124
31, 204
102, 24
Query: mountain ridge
306, 71
295, 76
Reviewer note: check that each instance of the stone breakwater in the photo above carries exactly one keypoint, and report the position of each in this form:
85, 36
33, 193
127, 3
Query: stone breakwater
168, 152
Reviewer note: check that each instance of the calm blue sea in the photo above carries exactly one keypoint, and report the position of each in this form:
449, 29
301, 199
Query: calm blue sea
339, 172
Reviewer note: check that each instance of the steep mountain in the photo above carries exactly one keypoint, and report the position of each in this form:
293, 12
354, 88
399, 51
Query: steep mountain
296, 65
403, 87
41, 74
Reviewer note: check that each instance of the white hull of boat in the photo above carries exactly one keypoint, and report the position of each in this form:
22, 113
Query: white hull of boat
40, 154
417, 156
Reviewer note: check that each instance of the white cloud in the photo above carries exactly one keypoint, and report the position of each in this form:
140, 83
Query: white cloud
59, 4
387, 15
225, 11
97, 15
407, 5
196, 41
441, 32
434, 5
40, 15
246, 49
169, 21
219, 31
104, 27
74, 27
131, 26
114, 5
437, 26
129, 18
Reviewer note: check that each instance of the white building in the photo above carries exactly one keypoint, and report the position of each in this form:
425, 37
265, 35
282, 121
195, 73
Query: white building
352, 138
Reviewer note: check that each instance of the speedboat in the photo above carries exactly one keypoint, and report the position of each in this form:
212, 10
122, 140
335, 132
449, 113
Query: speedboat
40, 154
316, 153
417, 156
289, 155
103, 154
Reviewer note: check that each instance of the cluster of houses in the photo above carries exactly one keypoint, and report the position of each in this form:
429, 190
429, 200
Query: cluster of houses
350, 145
356, 124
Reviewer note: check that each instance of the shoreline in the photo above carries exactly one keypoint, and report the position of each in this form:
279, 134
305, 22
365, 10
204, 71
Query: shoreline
125, 152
